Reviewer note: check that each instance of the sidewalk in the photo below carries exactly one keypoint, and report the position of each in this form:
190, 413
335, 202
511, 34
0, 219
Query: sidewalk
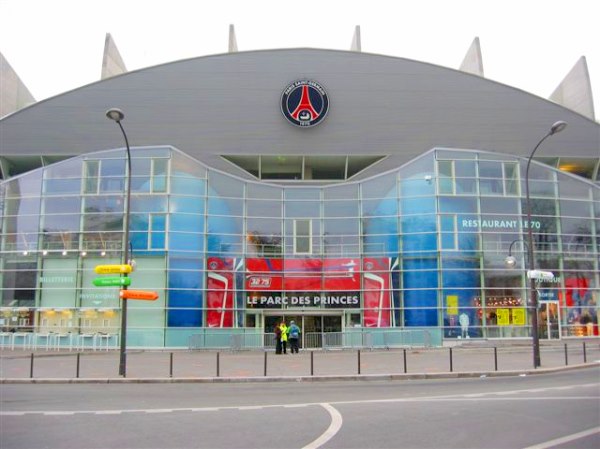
468, 359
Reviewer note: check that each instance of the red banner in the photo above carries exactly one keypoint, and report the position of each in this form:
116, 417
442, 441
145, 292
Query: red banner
303, 282
303, 275
376, 292
220, 290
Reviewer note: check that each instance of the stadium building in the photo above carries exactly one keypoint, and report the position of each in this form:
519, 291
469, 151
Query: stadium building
372, 199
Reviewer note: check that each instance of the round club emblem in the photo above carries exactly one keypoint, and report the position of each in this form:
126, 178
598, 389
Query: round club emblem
304, 103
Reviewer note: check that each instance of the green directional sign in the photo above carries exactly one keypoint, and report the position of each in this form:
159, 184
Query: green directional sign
112, 281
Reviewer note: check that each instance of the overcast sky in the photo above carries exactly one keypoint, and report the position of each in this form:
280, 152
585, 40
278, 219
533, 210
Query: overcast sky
57, 45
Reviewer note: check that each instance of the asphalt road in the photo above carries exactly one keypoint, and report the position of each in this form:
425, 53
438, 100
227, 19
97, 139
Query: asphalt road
560, 410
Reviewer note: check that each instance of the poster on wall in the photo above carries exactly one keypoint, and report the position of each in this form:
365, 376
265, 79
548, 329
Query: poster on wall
220, 288
327, 283
376, 292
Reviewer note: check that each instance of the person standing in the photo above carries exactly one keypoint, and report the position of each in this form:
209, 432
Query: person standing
294, 337
277, 339
284, 336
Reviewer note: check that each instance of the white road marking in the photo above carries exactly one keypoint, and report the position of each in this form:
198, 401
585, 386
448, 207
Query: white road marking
455, 397
565, 439
334, 427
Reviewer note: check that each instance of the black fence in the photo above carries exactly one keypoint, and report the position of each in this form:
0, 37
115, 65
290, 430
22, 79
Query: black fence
248, 364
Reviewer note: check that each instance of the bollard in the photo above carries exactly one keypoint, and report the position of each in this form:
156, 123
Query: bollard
404, 361
171, 365
450, 359
78, 365
584, 354
218, 365
566, 356
359, 361
312, 363
265, 363
495, 358
31, 367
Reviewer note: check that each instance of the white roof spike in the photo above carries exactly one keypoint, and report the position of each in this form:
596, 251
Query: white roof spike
473, 62
575, 90
112, 63
232, 40
356, 45
14, 95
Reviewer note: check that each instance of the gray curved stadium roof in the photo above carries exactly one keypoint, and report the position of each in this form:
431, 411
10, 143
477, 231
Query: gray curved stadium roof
230, 104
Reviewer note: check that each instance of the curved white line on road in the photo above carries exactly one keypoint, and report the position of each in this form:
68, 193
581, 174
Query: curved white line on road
334, 427
566, 439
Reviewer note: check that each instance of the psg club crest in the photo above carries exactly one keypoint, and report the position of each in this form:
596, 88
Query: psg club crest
304, 103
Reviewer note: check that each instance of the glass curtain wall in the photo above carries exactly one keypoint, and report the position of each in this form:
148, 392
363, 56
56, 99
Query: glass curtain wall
423, 246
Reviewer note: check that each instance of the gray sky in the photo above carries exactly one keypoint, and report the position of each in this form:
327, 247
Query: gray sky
57, 45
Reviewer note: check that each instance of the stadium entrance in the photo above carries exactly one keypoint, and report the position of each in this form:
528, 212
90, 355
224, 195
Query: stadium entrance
318, 331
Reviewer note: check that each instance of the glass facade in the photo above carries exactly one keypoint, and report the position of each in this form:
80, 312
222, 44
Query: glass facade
421, 247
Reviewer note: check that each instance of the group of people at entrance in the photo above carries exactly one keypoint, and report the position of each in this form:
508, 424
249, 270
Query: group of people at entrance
285, 333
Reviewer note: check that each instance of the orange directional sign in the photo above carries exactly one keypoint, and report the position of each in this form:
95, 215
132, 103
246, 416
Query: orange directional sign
139, 294
112, 269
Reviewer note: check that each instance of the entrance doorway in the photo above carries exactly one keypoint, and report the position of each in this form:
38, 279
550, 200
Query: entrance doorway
317, 331
549, 320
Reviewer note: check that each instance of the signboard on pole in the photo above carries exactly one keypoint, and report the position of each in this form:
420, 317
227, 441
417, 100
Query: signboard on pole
146, 295
113, 269
112, 281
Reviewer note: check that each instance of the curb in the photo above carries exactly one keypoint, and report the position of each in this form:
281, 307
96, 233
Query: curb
330, 378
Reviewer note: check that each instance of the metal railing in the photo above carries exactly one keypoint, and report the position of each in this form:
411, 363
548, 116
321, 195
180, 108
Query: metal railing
56, 341
351, 338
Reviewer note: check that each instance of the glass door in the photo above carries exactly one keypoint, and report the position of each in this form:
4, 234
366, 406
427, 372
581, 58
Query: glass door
549, 320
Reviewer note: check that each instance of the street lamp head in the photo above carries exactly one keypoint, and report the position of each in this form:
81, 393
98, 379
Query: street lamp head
558, 127
115, 114
510, 262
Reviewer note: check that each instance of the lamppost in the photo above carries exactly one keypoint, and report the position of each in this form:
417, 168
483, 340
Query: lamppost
511, 260
117, 115
555, 128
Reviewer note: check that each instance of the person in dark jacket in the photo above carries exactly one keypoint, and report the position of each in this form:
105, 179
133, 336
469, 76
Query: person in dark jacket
294, 337
277, 339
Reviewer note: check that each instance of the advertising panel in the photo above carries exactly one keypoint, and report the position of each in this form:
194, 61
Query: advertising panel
308, 282
220, 289
330, 283
376, 292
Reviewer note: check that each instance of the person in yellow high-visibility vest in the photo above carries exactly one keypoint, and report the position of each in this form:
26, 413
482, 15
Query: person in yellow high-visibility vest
284, 336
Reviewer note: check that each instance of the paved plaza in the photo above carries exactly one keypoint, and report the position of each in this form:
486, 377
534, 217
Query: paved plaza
463, 359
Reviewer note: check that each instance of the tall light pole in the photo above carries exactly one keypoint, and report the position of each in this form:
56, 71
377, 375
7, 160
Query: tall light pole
117, 115
555, 128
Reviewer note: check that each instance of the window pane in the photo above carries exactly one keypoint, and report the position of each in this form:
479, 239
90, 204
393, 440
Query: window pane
490, 170
341, 208
281, 167
265, 208
325, 167
302, 236
464, 169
